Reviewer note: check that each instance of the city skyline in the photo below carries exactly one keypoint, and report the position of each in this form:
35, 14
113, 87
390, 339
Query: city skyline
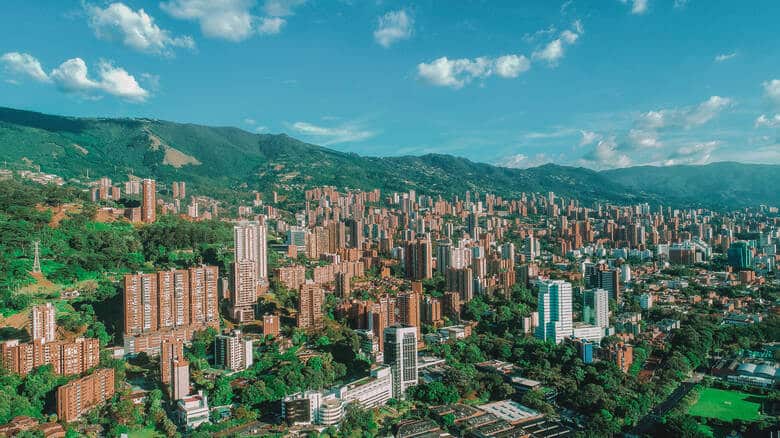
567, 82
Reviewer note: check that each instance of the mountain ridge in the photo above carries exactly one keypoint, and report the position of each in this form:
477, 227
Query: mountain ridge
219, 160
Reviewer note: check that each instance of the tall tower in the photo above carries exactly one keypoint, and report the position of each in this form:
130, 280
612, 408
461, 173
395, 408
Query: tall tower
400, 354
149, 201
555, 314
44, 325
596, 307
37, 260
245, 270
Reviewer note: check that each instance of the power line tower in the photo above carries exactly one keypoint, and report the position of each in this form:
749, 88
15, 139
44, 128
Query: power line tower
37, 261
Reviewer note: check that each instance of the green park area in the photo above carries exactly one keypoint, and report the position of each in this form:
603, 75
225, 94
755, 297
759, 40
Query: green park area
727, 405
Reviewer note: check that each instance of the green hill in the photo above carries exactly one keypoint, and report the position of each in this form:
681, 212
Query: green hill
217, 160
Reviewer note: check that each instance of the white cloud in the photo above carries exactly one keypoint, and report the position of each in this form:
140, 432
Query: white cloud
521, 161
638, 7
118, 82
333, 135
510, 66
606, 155
700, 153
24, 64
554, 51
768, 121
271, 25
772, 89
135, 29
685, 117
281, 8
707, 110
233, 20
392, 27
260, 129
725, 56
72, 76
454, 73
642, 139
589, 137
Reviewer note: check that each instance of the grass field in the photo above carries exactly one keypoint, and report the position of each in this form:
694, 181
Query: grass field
727, 405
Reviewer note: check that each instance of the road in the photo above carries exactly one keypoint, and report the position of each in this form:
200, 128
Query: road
667, 405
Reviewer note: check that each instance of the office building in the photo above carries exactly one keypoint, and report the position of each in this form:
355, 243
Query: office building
400, 354
79, 396
740, 255
233, 352
596, 307
555, 311
44, 323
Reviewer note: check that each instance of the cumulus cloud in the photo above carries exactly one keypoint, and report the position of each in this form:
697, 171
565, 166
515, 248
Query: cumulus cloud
606, 155
72, 76
589, 137
232, 20
455, 73
768, 121
638, 7
333, 135
685, 117
699, 153
725, 56
135, 29
644, 139
510, 66
394, 26
522, 161
554, 50
271, 25
772, 89
24, 64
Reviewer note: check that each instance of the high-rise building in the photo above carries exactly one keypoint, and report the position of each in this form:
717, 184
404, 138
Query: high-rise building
419, 259
409, 309
443, 255
79, 396
180, 379
740, 256
596, 307
66, 357
355, 232
461, 281
170, 350
44, 324
233, 352
249, 237
173, 303
400, 354
149, 201
141, 314
311, 298
555, 311
204, 295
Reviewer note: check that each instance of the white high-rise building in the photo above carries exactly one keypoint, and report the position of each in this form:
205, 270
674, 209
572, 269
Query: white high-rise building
400, 354
555, 314
233, 352
44, 324
646, 301
250, 267
596, 307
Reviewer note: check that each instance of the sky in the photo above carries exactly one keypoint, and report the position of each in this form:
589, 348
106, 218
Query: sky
516, 83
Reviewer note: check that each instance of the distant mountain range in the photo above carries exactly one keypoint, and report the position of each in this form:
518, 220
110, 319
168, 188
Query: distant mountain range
218, 160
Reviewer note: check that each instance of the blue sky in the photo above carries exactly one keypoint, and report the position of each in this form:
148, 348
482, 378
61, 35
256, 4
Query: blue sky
602, 84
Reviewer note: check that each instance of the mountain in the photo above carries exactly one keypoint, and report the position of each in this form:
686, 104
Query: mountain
217, 160
717, 185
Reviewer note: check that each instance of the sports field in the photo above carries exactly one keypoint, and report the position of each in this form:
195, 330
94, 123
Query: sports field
727, 405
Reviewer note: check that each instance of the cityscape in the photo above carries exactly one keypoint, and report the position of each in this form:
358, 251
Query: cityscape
177, 279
